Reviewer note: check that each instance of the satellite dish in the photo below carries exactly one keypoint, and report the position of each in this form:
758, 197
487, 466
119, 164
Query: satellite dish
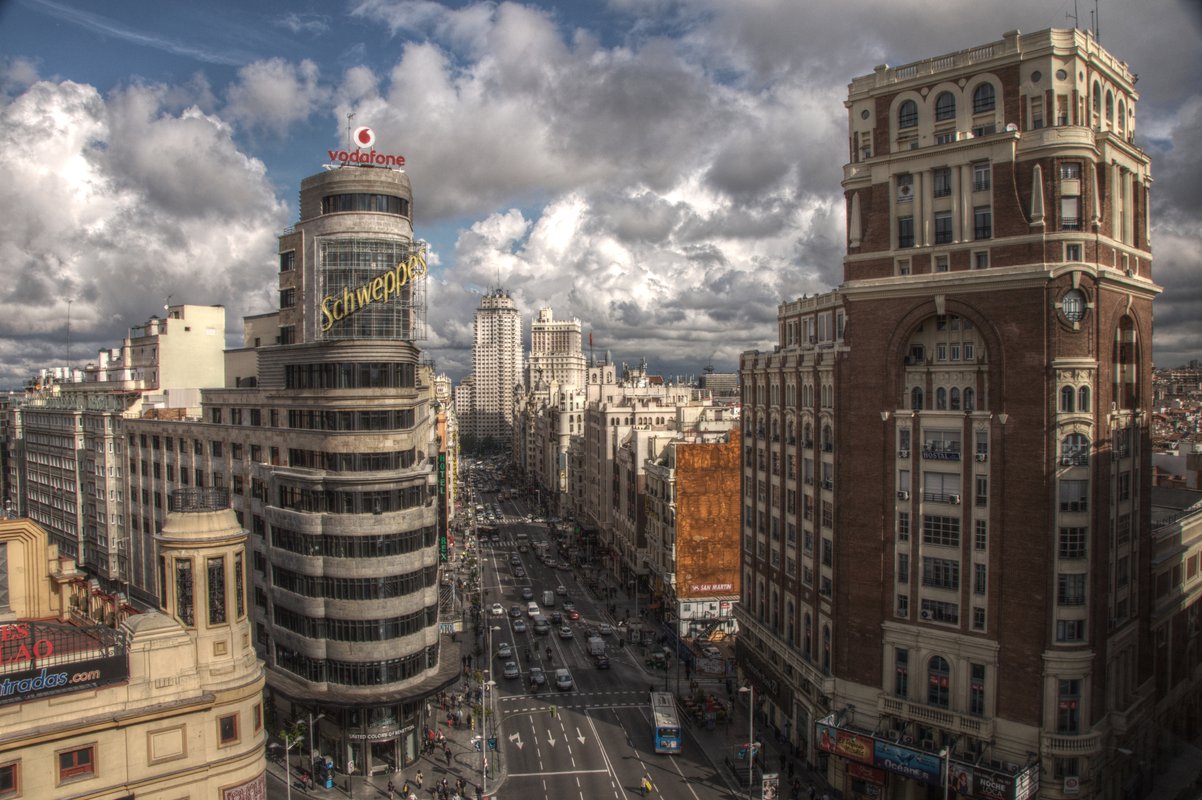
1011, 127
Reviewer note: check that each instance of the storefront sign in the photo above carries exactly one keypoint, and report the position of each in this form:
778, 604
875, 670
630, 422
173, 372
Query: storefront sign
698, 588
30, 684
373, 736
379, 289
866, 773
909, 762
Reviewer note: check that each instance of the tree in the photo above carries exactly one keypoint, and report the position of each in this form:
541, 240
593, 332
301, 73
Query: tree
292, 736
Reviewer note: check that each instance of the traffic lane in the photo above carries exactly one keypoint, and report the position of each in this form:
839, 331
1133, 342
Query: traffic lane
688, 775
561, 757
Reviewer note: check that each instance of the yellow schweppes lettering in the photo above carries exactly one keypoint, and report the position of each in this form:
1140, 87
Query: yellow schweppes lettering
379, 289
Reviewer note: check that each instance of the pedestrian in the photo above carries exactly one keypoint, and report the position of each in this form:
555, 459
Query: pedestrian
646, 785
812, 792
391, 791
419, 778
447, 753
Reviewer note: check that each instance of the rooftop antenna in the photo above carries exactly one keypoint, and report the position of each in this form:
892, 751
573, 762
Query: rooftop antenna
1073, 16
1097, 22
350, 116
167, 305
70, 300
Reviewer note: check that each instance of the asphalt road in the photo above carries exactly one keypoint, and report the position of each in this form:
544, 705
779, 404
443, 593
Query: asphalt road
596, 743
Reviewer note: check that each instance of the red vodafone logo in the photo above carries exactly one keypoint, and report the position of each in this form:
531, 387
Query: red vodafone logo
364, 137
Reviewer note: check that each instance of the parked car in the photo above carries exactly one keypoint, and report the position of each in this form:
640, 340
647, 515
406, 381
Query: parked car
511, 670
565, 632
563, 680
505, 650
498, 610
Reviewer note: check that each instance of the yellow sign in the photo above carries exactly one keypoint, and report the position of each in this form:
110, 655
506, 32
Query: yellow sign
378, 290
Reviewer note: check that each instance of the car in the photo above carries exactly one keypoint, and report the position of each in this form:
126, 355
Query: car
605, 629
557, 618
519, 572
601, 661
709, 651
498, 610
589, 631
527, 593
561, 590
573, 614
511, 670
568, 605
537, 677
504, 650
515, 560
565, 632
563, 680
515, 611
519, 625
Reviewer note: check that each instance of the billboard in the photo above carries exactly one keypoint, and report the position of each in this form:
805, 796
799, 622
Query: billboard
41, 659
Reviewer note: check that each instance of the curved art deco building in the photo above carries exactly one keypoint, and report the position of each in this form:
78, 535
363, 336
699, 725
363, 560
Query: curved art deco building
325, 436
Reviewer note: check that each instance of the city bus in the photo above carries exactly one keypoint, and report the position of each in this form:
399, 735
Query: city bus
667, 725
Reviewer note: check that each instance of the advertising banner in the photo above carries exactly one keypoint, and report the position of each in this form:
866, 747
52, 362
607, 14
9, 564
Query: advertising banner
30, 684
911, 763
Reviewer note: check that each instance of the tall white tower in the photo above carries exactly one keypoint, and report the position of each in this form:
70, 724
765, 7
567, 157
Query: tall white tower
496, 366
555, 353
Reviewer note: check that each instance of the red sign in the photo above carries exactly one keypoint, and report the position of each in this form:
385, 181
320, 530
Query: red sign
15, 647
369, 158
864, 772
853, 746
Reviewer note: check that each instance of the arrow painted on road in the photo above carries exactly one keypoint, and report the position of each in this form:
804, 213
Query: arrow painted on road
517, 739
550, 741
579, 736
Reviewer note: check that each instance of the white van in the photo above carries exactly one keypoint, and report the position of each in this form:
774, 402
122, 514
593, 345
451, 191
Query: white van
532, 609
549, 598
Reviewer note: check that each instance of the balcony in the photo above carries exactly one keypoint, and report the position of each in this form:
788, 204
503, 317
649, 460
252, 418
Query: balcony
1060, 745
945, 719
802, 666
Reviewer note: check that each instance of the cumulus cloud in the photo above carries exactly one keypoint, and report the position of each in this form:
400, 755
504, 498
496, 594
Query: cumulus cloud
273, 94
125, 204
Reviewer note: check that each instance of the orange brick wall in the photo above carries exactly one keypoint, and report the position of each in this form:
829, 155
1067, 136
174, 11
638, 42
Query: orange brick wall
707, 518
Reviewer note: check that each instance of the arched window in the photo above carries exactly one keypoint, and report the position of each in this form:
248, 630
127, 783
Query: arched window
1110, 109
954, 400
1074, 450
970, 400
1097, 99
941, 399
1126, 364
791, 431
1122, 120
938, 682
907, 114
828, 438
807, 637
1068, 398
808, 436
826, 648
983, 98
945, 106
916, 399
791, 622
1083, 404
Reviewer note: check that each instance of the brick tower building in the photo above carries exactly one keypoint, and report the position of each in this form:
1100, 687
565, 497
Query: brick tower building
947, 461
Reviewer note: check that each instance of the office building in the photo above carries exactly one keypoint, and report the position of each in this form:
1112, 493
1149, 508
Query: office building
959, 435
496, 370
555, 353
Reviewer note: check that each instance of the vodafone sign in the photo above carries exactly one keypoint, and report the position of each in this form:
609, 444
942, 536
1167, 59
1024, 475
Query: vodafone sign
365, 137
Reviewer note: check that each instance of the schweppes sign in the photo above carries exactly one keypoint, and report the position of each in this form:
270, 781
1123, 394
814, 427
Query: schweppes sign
379, 289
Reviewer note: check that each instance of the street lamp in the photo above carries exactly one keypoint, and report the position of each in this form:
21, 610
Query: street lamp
488, 686
750, 691
946, 755
313, 721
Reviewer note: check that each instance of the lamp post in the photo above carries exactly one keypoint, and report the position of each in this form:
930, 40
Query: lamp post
488, 686
313, 721
750, 691
946, 755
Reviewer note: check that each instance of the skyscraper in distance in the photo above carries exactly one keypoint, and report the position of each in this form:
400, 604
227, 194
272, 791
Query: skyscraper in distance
496, 368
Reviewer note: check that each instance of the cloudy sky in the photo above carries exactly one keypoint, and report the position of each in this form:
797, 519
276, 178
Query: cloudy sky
665, 171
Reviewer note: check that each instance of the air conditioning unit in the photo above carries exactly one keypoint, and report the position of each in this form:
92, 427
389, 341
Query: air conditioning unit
892, 735
903, 495
828, 485
954, 499
1066, 461
981, 458
903, 453
907, 739
928, 744
925, 614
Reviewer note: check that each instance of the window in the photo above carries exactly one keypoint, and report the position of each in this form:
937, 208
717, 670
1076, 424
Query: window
907, 114
979, 572
10, 779
905, 231
982, 176
1073, 542
942, 180
905, 188
1070, 216
288, 261
945, 137
916, 401
983, 98
976, 690
980, 259
938, 682
901, 676
1036, 112
1074, 496
945, 107
1074, 450
941, 573
77, 763
903, 526
1070, 589
943, 231
937, 611
1070, 171
287, 298
903, 266
227, 729
1068, 712
1070, 630
1083, 404
944, 531
1068, 400
982, 220
978, 619
903, 606
941, 262
903, 567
